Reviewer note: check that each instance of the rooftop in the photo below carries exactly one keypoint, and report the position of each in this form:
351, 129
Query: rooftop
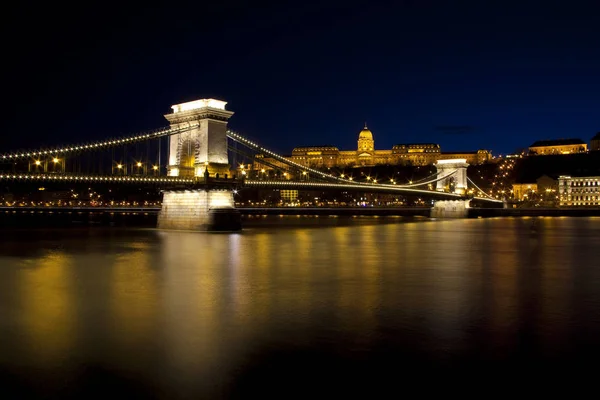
318, 148
597, 137
416, 145
202, 103
556, 142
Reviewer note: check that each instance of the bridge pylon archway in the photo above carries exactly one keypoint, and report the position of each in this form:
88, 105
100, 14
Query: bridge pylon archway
202, 147
455, 172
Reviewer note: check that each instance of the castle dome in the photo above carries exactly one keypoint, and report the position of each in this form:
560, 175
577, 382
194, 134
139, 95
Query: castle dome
365, 134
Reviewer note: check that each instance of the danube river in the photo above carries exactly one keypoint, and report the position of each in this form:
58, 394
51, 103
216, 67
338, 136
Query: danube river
298, 306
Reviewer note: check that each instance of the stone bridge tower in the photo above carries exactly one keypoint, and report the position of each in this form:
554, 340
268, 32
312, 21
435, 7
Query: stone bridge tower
205, 145
457, 182
203, 148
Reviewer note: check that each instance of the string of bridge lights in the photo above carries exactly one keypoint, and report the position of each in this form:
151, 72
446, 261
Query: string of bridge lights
356, 185
161, 132
239, 138
83, 178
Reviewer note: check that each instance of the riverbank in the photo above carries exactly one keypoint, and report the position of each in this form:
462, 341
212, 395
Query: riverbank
32, 217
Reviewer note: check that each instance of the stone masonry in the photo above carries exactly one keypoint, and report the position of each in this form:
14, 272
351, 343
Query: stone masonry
450, 209
194, 210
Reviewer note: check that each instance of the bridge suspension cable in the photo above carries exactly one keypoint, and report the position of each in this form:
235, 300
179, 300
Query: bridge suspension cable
249, 156
240, 139
63, 150
481, 190
439, 178
348, 186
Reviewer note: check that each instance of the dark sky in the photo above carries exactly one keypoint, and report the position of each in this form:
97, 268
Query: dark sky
307, 73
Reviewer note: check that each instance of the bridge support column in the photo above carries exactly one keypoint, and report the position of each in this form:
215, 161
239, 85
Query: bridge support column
450, 209
199, 210
456, 175
199, 152
204, 146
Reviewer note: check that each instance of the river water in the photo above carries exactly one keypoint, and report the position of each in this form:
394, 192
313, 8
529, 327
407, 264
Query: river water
297, 307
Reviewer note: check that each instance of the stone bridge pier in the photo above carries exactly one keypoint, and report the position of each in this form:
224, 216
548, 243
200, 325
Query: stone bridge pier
199, 152
450, 209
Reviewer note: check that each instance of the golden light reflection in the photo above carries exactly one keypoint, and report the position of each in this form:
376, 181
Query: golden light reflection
48, 316
134, 297
254, 304
193, 287
557, 248
357, 306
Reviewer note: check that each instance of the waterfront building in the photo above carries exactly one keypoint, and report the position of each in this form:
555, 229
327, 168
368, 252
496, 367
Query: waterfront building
579, 191
559, 146
542, 188
418, 154
595, 144
288, 195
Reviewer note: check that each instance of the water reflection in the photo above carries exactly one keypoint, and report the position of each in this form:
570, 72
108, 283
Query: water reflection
189, 314
46, 308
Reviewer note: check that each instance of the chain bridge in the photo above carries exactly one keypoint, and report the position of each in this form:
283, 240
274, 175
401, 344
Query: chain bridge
190, 162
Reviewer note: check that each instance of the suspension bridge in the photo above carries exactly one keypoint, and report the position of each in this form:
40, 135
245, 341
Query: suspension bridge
190, 161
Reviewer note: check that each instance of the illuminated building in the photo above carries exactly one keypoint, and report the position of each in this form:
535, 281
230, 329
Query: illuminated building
595, 144
288, 195
328, 156
416, 153
522, 191
560, 146
542, 188
471, 157
579, 191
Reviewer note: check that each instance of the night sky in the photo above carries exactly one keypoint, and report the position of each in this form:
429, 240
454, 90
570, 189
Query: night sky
467, 75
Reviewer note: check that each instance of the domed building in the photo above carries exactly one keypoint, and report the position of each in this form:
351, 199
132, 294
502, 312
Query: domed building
365, 140
329, 156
